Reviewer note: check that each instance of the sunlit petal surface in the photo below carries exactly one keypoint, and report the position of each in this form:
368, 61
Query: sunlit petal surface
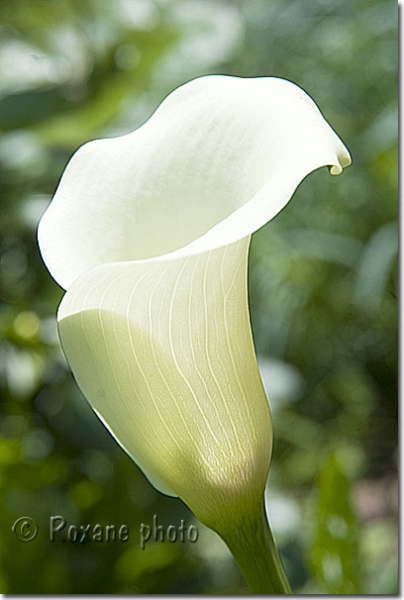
221, 156
149, 233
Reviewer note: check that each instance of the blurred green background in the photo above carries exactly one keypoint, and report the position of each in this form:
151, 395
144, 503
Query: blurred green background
323, 294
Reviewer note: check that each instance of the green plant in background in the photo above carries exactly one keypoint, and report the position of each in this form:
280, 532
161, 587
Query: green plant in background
326, 267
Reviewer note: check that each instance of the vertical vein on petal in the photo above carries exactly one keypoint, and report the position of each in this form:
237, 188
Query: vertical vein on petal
187, 383
192, 334
219, 387
167, 386
114, 283
226, 327
138, 363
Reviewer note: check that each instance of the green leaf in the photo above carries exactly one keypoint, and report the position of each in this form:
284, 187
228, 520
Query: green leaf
334, 554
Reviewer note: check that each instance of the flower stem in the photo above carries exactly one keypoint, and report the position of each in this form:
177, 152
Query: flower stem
253, 547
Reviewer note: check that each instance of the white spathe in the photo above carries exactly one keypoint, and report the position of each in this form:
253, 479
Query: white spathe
149, 234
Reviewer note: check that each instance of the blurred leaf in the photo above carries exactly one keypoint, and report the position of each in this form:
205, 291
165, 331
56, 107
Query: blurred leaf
375, 267
28, 108
334, 555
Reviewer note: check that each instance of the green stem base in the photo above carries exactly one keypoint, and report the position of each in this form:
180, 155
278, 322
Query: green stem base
253, 547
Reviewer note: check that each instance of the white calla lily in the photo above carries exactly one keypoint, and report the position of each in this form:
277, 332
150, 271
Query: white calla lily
149, 234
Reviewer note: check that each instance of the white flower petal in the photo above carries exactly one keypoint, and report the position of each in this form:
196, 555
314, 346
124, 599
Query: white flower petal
149, 234
164, 354
219, 158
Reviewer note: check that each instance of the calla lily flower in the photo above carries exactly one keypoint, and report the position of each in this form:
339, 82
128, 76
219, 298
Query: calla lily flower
149, 234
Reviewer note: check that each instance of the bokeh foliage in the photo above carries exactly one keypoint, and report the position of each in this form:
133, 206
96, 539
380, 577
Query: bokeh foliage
322, 292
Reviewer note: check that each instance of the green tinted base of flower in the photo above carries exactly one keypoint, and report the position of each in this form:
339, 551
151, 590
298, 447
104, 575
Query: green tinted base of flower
254, 550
